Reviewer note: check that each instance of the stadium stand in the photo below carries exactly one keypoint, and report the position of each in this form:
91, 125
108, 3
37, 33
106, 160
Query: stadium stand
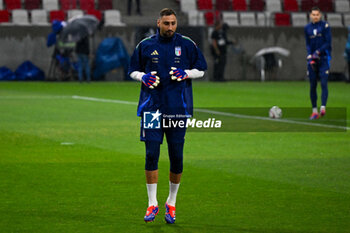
299, 19
273, 6
261, 19
105, 5
1, 5
74, 13
346, 19
32, 4
247, 18
20, 17
68, 4
209, 18
94, 12
188, 5
239, 5
334, 19
87, 4
113, 18
205, 5
4, 16
326, 5
39, 17
257, 5
282, 19
13, 4
57, 15
291, 5
306, 5
342, 6
222, 5
193, 18
50, 5
231, 18
201, 19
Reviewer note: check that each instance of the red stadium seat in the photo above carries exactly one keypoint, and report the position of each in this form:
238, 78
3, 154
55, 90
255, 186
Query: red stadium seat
239, 5
87, 4
222, 5
257, 5
32, 4
282, 19
57, 15
326, 5
94, 12
306, 5
291, 5
204, 5
105, 5
4, 16
13, 4
68, 4
211, 17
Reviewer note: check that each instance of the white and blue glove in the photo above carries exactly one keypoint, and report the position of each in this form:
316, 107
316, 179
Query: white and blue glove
150, 80
178, 74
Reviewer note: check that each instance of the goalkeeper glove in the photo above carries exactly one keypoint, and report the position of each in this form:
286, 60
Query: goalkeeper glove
150, 79
178, 74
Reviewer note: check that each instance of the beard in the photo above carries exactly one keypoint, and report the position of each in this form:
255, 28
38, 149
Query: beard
168, 33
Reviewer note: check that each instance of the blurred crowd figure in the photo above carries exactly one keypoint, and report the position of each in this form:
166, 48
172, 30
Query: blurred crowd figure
138, 8
347, 54
218, 50
82, 50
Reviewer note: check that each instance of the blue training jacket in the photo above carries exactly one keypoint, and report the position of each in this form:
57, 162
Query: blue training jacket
318, 37
156, 53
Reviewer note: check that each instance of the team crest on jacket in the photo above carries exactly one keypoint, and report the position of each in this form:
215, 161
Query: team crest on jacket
178, 50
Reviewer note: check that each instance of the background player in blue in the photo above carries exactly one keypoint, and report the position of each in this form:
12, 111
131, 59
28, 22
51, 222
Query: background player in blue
165, 63
319, 46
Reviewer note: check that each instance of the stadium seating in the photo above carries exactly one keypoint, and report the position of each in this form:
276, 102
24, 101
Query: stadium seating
96, 13
39, 17
4, 16
87, 4
32, 4
57, 15
222, 5
247, 19
205, 4
257, 5
1, 5
306, 5
239, 5
209, 18
13, 4
188, 5
193, 18
291, 5
201, 19
326, 5
282, 19
231, 18
261, 19
68, 4
113, 18
346, 19
74, 13
273, 6
105, 5
342, 6
50, 5
299, 19
334, 19
20, 17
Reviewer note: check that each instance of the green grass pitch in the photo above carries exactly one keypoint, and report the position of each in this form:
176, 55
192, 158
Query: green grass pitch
71, 165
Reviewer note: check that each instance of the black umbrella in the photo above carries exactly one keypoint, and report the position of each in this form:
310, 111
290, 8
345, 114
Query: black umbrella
78, 28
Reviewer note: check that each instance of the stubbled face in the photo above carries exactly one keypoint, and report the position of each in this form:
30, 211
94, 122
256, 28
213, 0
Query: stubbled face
315, 16
167, 25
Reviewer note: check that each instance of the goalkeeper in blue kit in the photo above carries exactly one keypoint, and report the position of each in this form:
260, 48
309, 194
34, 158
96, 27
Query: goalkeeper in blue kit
165, 63
319, 47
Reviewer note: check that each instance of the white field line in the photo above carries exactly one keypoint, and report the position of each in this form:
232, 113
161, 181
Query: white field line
23, 97
219, 113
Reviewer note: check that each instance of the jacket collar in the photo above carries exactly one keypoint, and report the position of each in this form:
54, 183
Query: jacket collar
165, 39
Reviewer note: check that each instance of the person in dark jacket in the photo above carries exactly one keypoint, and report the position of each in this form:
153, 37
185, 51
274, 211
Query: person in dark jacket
82, 50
